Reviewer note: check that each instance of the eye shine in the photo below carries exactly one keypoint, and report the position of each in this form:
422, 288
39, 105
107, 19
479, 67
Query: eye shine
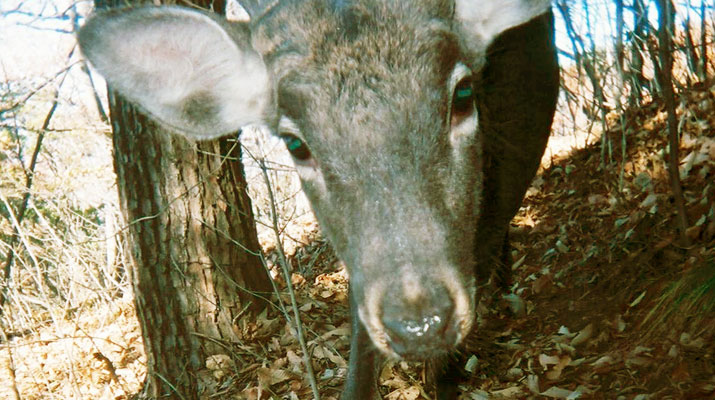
463, 102
297, 148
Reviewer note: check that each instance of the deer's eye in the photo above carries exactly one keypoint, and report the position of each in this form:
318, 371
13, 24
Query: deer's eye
297, 148
462, 101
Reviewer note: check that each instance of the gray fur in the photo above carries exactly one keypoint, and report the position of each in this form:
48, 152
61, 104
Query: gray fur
398, 180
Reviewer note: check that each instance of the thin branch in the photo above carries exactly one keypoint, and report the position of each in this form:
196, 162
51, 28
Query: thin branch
37, 89
7, 269
289, 285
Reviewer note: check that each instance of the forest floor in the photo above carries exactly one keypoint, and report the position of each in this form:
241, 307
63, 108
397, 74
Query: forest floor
607, 301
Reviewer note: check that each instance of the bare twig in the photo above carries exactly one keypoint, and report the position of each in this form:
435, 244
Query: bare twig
38, 88
10, 367
28, 186
289, 285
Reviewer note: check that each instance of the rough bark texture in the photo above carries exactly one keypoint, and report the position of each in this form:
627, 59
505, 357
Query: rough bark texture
665, 32
193, 246
638, 80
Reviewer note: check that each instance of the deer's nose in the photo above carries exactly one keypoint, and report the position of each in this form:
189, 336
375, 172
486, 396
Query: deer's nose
419, 326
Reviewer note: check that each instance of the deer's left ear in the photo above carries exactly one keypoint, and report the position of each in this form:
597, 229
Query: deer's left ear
196, 74
483, 20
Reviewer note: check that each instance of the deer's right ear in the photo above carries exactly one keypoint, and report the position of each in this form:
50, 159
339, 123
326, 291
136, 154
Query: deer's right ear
196, 74
484, 20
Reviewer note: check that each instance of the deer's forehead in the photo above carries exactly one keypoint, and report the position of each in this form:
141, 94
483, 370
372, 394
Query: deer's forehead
410, 55
379, 39
365, 78
371, 106
385, 66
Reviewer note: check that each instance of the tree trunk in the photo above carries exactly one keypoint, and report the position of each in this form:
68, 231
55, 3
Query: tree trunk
665, 32
703, 70
193, 246
691, 53
620, 56
638, 81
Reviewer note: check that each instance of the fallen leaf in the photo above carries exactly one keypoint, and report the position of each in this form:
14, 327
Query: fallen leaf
514, 374
471, 363
603, 361
649, 201
343, 330
559, 393
516, 304
545, 360
297, 279
532, 382
409, 393
583, 335
508, 393
220, 365
555, 372
270, 376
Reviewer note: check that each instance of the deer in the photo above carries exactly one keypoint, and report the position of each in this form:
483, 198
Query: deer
415, 127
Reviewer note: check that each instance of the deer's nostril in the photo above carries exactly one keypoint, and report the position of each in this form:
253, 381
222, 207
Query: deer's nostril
417, 328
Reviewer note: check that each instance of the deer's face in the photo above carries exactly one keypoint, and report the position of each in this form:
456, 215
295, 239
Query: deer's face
377, 108
375, 100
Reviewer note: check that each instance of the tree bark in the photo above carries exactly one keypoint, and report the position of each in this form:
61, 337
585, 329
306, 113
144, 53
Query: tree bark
638, 81
620, 55
193, 246
703, 70
665, 26
692, 55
